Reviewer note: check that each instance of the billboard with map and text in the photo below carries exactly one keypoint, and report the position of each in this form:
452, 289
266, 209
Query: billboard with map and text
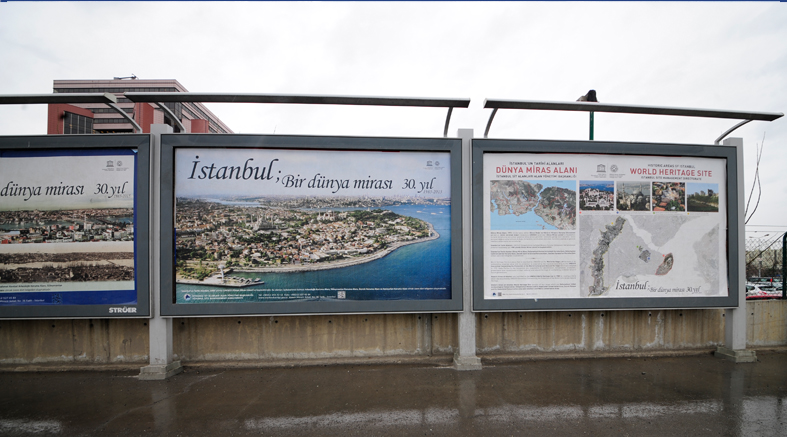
565, 229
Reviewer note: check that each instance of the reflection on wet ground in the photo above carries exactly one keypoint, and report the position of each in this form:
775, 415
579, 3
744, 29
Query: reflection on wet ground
655, 396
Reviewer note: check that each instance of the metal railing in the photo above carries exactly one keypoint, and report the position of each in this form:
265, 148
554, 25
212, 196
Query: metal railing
68, 98
495, 104
301, 99
593, 107
164, 97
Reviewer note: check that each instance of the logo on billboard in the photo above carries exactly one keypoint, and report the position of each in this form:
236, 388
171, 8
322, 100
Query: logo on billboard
613, 168
115, 166
433, 165
122, 310
601, 168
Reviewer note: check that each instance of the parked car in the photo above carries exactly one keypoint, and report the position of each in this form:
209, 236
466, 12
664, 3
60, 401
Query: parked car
762, 291
764, 279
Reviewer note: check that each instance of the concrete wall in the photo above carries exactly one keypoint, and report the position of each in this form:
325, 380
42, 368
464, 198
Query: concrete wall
766, 323
383, 335
73, 341
299, 338
599, 331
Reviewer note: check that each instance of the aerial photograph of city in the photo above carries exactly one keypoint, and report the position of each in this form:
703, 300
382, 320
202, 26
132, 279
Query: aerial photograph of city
67, 221
288, 235
84, 245
669, 196
319, 236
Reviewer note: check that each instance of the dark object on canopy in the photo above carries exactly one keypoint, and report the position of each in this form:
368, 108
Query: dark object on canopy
589, 97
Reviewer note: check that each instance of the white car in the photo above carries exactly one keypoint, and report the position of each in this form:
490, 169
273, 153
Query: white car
760, 291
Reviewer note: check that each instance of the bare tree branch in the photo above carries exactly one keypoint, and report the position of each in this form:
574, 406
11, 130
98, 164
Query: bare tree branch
758, 182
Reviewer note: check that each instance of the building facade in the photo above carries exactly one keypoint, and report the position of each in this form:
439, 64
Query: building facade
86, 118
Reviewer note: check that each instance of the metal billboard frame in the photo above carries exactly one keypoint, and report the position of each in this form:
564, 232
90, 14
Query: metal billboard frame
139, 142
484, 146
171, 142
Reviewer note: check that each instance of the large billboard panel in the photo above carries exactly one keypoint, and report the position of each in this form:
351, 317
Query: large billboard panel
283, 225
70, 222
626, 226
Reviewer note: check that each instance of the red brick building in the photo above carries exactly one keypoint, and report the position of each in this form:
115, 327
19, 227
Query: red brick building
86, 118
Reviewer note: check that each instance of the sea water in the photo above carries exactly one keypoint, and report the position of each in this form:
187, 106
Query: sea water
415, 271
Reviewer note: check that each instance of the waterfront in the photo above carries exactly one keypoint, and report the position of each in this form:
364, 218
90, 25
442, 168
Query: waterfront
416, 271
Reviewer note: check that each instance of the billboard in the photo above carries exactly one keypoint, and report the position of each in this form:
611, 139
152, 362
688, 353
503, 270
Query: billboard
296, 225
577, 225
73, 226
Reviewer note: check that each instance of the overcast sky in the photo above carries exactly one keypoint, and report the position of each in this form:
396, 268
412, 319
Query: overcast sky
696, 55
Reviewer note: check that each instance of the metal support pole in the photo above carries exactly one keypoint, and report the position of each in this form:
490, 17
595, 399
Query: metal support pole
161, 365
128, 118
735, 318
591, 125
784, 265
729, 131
447, 121
172, 116
465, 358
489, 123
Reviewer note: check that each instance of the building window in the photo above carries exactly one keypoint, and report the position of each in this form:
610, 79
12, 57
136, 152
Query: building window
77, 124
110, 110
114, 90
109, 120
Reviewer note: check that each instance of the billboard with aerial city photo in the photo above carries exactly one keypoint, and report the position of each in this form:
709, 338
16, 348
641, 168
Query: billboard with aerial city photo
70, 227
306, 224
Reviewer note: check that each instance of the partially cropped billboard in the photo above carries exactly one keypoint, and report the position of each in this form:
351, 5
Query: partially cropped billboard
291, 225
603, 225
73, 226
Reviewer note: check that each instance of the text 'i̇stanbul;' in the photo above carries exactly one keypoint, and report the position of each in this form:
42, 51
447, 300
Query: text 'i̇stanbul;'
246, 172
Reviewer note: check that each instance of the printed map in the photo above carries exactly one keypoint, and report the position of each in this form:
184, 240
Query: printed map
554, 206
649, 255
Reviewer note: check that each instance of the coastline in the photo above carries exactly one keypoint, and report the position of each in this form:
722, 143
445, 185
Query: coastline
311, 267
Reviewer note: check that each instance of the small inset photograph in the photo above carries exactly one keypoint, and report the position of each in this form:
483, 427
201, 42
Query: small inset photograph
633, 196
702, 197
596, 195
669, 196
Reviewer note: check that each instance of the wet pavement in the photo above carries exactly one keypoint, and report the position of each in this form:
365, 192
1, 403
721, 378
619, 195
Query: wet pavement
699, 395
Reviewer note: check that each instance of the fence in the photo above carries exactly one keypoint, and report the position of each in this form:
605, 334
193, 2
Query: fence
764, 256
